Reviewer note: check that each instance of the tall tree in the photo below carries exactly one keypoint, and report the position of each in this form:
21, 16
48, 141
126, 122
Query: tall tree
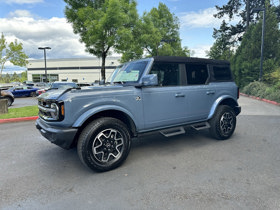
157, 33
103, 25
246, 61
12, 52
222, 47
243, 9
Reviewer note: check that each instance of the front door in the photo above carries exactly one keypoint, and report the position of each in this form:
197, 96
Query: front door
166, 103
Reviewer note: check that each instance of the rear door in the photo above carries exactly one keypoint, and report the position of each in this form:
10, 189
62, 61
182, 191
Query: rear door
200, 93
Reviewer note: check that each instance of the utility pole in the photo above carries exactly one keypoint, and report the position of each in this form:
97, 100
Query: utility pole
45, 48
247, 14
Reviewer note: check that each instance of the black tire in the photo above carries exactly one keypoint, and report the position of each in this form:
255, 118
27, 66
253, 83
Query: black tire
223, 123
104, 144
10, 101
32, 94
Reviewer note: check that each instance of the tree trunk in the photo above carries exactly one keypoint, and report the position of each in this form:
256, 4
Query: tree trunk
103, 75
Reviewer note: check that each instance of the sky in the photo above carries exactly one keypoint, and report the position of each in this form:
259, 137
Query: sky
41, 23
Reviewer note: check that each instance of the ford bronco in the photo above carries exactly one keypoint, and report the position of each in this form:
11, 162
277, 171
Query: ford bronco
164, 94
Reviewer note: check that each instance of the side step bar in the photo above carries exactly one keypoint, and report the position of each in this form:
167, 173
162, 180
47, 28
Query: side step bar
200, 126
180, 130
173, 131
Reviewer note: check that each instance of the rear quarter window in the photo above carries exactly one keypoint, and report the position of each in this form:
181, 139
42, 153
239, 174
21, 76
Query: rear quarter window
222, 73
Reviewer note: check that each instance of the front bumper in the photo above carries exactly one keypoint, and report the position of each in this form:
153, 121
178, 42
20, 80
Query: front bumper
62, 137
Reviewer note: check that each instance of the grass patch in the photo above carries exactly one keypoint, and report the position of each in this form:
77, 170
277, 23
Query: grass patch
27, 111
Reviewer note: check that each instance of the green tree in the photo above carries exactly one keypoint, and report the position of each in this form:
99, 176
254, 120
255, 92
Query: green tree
156, 33
15, 77
222, 47
12, 52
246, 61
243, 9
7, 78
23, 76
103, 25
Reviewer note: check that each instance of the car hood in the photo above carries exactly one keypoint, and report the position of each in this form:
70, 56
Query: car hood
58, 93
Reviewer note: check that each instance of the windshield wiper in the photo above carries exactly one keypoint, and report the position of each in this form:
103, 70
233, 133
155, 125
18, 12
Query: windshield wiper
120, 82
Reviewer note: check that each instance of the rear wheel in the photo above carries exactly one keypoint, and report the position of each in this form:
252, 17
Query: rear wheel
223, 123
33, 94
104, 144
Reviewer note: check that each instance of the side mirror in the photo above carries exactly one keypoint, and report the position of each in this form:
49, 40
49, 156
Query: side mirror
150, 80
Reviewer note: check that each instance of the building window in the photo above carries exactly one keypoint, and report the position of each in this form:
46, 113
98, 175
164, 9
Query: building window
41, 77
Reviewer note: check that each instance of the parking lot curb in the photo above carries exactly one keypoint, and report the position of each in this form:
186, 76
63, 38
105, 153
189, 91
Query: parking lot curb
20, 119
261, 99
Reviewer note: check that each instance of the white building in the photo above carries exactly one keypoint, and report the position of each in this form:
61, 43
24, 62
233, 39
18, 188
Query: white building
70, 69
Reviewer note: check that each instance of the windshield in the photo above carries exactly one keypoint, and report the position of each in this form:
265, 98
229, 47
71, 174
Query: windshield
129, 72
113, 75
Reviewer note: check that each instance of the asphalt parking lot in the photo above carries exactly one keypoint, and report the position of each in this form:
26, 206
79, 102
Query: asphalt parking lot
191, 171
24, 101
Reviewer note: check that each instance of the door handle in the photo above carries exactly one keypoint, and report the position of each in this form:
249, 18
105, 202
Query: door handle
177, 95
210, 92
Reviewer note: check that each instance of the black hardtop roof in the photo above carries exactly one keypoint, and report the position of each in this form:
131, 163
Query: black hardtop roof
189, 60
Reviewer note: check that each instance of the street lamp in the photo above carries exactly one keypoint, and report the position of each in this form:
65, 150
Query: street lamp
262, 44
45, 48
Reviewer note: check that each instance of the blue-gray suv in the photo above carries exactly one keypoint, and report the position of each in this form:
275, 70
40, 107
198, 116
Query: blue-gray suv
164, 94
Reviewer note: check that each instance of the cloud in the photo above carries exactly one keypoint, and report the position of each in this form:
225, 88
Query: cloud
202, 19
32, 33
200, 50
20, 13
21, 1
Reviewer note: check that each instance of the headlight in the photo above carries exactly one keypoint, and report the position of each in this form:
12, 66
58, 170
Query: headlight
51, 110
55, 111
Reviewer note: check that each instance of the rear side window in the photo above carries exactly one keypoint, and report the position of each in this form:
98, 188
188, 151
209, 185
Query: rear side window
222, 73
196, 74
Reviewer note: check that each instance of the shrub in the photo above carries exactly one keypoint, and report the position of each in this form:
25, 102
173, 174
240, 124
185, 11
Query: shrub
262, 90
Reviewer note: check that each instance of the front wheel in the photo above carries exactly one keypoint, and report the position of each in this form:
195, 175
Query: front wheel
223, 123
104, 144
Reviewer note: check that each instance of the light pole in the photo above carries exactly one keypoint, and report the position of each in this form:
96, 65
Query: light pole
262, 44
45, 48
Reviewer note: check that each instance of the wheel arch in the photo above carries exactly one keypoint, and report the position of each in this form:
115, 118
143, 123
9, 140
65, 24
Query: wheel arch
10, 97
225, 100
114, 113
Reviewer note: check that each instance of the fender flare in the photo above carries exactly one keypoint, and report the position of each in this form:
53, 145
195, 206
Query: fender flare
218, 102
91, 112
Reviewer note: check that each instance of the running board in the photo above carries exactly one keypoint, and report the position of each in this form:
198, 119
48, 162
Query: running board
201, 126
173, 131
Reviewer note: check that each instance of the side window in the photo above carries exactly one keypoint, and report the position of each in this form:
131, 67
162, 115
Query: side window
222, 73
196, 74
168, 73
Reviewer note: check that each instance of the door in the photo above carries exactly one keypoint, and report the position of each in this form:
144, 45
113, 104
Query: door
200, 94
165, 104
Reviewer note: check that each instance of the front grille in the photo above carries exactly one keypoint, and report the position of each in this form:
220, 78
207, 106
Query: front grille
44, 109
